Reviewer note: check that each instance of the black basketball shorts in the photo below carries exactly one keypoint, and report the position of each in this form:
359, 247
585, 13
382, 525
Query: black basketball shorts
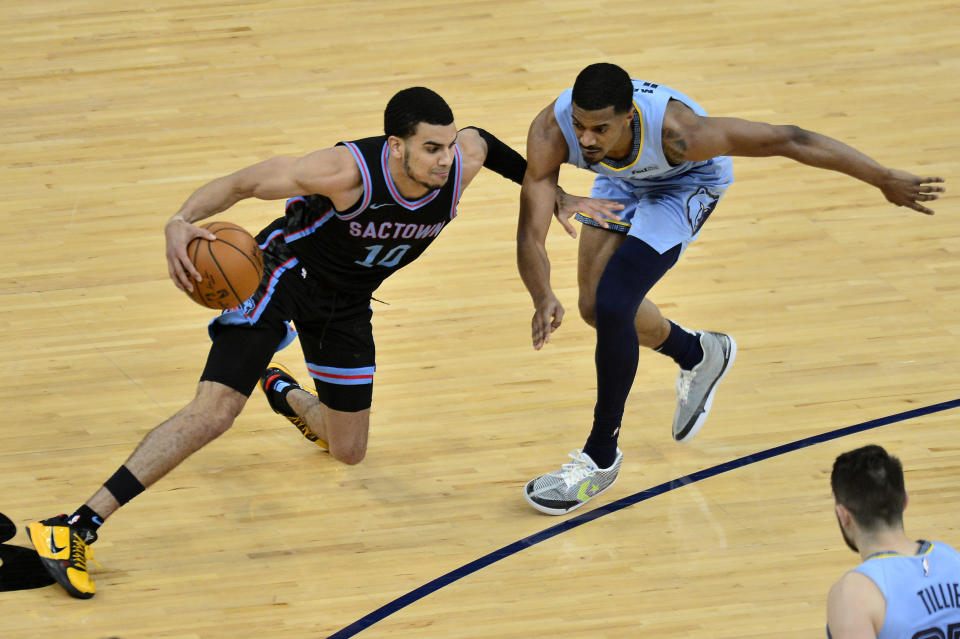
333, 327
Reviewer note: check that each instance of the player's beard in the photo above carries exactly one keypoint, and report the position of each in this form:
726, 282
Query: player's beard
846, 538
426, 185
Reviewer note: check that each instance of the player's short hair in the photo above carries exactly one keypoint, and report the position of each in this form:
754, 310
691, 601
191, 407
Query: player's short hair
602, 85
869, 483
410, 107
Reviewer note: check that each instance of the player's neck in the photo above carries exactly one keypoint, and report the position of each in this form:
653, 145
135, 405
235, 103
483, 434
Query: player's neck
623, 147
888, 540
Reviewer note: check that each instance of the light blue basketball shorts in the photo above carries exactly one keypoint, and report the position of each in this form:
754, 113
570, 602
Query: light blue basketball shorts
662, 215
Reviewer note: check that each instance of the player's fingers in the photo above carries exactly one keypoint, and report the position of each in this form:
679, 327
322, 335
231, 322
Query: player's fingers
928, 179
557, 318
596, 216
568, 227
608, 209
189, 268
918, 207
174, 276
182, 278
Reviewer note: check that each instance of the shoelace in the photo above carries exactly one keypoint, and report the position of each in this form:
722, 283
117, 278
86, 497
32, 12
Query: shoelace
80, 552
684, 381
574, 472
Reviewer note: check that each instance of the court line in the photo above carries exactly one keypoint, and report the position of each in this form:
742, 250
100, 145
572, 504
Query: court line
512, 549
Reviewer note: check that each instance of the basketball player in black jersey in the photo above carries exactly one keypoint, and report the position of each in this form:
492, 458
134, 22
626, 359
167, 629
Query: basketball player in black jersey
355, 213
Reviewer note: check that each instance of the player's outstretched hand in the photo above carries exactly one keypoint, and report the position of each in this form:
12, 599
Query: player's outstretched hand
546, 319
905, 189
179, 232
600, 211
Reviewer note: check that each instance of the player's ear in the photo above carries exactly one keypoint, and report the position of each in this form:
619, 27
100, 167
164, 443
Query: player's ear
906, 499
843, 514
395, 145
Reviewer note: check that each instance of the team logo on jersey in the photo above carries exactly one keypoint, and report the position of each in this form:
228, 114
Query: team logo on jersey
699, 207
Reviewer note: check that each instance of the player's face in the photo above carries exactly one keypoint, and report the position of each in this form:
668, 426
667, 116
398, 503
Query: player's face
602, 132
428, 154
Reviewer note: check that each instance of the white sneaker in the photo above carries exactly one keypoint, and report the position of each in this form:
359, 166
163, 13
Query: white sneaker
696, 387
576, 482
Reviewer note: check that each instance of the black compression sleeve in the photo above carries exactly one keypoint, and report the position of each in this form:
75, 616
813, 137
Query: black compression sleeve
501, 158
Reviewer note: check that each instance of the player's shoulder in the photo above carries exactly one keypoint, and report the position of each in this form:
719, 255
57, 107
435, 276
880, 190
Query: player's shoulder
854, 586
472, 146
545, 123
855, 606
545, 140
328, 171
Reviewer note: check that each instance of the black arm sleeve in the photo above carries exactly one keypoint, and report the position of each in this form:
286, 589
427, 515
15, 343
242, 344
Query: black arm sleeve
501, 158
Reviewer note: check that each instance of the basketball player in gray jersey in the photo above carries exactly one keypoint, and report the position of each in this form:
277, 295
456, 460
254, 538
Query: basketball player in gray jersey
658, 154
905, 588
356, 213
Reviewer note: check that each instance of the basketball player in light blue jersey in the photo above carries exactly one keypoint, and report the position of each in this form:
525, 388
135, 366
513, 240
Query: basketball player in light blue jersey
904, 589
658, 154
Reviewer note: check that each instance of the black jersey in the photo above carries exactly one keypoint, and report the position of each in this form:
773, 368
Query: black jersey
358, 248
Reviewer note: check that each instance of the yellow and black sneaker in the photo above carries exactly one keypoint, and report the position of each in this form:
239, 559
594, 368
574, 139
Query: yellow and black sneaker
275, 383
64, 551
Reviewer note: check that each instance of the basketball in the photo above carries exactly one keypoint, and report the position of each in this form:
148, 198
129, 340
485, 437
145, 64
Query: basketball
231, 266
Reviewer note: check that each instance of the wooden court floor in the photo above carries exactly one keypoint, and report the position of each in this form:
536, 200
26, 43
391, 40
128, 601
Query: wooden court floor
844, 307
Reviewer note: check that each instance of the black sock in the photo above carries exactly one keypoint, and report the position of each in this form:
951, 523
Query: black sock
602, 449
85, 519
279, 396
683, 346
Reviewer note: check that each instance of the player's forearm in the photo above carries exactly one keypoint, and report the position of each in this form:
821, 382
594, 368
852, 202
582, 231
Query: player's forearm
821, 151
209, 199
265, 180
537, 197
534, 266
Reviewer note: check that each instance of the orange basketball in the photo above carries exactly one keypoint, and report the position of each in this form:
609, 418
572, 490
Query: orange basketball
231, 266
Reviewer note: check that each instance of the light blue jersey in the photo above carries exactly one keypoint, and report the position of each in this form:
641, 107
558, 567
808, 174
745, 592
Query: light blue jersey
922, 592
664, 205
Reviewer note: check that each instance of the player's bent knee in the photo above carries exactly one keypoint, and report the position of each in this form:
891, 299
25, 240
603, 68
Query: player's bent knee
351, 455
588, 312
216, 406
614, 308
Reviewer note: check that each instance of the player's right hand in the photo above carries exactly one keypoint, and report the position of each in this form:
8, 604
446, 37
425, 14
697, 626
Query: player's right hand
546, 319
178, 233
905, 189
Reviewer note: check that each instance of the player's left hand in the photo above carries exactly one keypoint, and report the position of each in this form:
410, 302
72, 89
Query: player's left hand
905, 189
600, 211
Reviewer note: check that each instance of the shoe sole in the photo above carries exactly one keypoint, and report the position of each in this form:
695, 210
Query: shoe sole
707, 405
559, 511
52, 566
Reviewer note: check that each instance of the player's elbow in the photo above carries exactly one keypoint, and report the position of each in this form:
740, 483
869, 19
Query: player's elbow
789, 137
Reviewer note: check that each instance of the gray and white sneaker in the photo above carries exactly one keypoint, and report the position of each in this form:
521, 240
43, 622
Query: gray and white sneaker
576, 482
696, 387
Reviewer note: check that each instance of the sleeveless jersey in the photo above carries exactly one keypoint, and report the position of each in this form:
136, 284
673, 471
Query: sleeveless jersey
649, 166
922, 592
356, 249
